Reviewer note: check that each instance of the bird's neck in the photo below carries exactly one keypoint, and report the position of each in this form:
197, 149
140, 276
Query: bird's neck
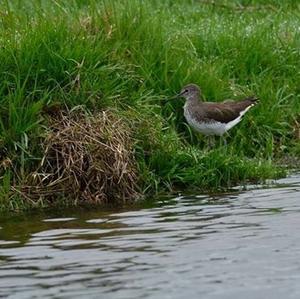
194, 99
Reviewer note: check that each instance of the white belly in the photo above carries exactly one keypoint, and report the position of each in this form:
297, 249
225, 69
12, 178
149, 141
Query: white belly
210, 128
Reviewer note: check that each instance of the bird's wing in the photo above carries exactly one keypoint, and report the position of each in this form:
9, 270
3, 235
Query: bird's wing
228, 111
222, 112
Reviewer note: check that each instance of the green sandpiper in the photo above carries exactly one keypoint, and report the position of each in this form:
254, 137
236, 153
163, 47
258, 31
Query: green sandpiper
211, 118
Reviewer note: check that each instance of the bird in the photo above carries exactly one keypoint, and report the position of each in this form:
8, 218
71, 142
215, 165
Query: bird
211, 118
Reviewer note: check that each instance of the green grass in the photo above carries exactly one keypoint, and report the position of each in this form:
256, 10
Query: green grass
131, 56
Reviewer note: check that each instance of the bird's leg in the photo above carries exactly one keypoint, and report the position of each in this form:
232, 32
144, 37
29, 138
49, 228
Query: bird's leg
211, 141
224, 140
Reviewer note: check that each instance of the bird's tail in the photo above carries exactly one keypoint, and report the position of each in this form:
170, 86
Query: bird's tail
253, 100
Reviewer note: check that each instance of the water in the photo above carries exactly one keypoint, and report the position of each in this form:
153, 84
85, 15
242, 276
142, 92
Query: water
235, 245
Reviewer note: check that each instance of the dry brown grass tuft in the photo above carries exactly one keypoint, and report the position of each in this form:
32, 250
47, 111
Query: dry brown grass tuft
86, 158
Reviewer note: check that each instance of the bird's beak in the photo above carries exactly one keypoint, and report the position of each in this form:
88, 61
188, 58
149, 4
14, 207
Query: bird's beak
177, 96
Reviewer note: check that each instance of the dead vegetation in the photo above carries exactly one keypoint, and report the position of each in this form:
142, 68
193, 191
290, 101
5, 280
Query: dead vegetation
86, 158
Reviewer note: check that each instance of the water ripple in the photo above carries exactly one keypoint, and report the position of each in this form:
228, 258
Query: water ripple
238, 244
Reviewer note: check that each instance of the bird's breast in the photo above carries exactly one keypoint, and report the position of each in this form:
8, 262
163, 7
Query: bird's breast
204, 126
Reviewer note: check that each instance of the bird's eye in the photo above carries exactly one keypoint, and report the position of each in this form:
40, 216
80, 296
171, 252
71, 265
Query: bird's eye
186, 90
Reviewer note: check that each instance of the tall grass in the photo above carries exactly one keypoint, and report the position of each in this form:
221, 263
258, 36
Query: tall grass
132, 56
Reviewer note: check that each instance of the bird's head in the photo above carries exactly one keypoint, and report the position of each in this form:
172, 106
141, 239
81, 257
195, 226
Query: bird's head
190, 91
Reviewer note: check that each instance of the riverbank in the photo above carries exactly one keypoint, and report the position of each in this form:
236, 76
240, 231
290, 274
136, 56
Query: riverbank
126, 59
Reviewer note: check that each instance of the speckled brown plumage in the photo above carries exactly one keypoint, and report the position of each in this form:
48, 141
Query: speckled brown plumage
212, 118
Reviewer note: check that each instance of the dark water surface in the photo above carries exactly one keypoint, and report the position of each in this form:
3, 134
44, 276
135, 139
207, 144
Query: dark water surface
235, 245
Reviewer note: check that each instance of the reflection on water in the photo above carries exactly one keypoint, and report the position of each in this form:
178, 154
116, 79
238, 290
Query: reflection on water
236, 245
